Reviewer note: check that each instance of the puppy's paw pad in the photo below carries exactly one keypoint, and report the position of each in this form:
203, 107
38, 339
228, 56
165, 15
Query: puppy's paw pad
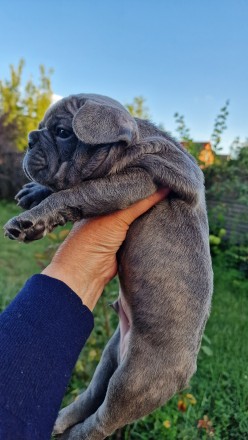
26, 224
24, 229
12, 233
13, 230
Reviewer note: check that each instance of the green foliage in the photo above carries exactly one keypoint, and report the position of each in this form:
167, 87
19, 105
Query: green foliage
184, 135
242, 154
227, 184
138, 109
219, 127
229, 178
22, 106
239, 151
237, 257
17, 260
216, 240
182, 129
206, 346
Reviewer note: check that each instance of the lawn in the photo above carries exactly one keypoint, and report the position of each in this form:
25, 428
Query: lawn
217, 400
17, 260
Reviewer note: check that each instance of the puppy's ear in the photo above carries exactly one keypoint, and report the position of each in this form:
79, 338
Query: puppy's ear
96, 123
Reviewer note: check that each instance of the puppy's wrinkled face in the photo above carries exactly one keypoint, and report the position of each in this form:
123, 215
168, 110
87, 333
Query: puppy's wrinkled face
74, 139
50, 158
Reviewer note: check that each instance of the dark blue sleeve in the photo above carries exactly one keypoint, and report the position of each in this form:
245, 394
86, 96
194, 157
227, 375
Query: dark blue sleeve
41, 335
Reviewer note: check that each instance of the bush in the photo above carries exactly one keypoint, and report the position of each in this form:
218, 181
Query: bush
12, 177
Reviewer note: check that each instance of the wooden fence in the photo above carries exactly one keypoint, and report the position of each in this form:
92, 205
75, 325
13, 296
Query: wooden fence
230, 215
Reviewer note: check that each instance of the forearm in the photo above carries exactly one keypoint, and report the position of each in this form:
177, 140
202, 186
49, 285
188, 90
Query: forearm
71, 274
41, 335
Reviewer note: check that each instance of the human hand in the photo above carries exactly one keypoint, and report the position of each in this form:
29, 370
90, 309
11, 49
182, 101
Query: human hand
86, 260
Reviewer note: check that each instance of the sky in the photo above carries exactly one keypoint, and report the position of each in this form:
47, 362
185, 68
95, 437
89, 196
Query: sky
186, 56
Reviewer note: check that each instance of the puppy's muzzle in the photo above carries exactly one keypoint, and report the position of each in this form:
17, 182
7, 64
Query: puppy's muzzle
32, 139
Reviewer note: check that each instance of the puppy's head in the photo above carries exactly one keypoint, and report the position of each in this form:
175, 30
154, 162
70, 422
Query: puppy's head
74, 139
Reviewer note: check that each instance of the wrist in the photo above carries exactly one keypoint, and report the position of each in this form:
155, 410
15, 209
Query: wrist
89, 290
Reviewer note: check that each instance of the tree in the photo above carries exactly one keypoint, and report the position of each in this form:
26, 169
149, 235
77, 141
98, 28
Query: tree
22, 106
230, 178
138, 108
193, 147
184, 135
239, 150
219, 127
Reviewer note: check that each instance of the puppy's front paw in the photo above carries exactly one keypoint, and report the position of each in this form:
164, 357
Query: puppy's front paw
26, 228
32, 194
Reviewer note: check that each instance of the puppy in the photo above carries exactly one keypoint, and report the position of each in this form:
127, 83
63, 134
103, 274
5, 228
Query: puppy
91, 157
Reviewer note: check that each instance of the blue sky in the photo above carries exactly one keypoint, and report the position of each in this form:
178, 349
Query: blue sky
188, 56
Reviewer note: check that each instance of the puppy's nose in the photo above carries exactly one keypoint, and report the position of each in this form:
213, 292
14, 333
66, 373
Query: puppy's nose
32, 139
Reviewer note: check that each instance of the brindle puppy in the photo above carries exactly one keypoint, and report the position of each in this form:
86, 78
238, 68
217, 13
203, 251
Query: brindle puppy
91, 157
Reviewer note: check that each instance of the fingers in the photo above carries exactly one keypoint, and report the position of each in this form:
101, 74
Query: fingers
139, 208
125, 216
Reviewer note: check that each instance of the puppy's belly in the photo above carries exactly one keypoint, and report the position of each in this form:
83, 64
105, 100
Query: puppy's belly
135, 264
165, 276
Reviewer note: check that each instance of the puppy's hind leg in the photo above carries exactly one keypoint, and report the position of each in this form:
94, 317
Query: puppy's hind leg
88, 402
133, 392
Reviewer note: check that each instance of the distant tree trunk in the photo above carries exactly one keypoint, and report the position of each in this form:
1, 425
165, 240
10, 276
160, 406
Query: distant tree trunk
119, 434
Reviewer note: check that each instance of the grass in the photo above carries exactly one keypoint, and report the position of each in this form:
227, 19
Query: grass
17, 260
220, 386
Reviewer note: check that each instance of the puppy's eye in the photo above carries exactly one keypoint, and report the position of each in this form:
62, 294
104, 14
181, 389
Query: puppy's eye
63, 133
